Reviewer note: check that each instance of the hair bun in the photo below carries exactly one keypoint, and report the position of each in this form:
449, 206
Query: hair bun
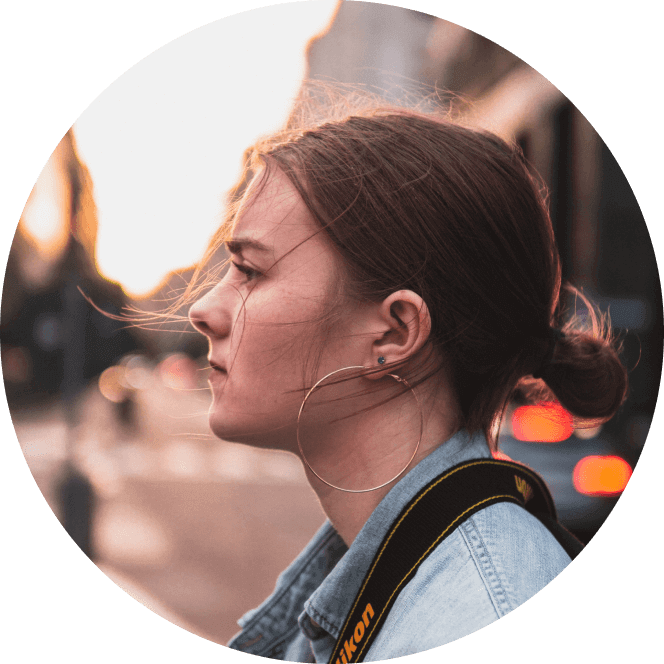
585, 373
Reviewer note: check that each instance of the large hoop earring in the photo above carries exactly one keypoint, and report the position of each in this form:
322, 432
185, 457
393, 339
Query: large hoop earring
380, 486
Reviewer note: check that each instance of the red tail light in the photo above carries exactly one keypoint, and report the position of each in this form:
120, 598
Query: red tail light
601, 475
546, 423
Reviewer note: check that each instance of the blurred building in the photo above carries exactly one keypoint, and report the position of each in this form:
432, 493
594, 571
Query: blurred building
57, 326
375, 45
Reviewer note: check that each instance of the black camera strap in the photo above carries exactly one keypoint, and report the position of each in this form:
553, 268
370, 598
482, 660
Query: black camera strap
433, 514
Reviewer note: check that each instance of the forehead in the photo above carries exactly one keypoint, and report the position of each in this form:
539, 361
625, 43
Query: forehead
273, 214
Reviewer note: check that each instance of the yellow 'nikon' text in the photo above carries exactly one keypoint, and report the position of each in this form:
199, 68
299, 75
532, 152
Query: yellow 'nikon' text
350, 645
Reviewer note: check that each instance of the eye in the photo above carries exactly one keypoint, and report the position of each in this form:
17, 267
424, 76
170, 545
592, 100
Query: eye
248, 272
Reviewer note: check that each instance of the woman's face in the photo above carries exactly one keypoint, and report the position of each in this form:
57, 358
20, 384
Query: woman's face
264, 317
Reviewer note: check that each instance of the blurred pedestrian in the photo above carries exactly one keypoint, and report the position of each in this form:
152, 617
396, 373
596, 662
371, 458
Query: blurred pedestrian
393, 282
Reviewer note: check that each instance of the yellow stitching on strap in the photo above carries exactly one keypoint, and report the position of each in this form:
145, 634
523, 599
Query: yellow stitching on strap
396, 525
424, 555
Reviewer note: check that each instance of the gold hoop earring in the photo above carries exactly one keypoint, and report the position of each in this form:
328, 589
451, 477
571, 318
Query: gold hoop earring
380, 486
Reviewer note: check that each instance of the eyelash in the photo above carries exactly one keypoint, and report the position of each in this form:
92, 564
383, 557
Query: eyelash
248, 272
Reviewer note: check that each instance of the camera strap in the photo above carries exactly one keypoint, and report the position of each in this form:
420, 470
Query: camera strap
431, 516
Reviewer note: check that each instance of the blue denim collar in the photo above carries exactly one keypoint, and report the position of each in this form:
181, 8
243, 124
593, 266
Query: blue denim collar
326, 576
330, 603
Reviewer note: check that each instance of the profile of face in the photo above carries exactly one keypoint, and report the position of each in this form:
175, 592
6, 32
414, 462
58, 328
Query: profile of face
266, 313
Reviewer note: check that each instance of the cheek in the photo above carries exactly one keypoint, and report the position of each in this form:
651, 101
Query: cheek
271, 340
281, 326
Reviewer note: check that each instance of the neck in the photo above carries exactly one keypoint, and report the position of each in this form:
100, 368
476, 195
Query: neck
374, 450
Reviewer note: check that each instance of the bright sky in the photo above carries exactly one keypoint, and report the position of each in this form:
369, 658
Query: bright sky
165, 141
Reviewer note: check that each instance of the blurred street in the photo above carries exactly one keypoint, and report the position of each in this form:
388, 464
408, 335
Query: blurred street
195, 528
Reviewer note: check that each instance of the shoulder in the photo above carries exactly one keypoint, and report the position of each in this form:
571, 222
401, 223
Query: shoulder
491, 564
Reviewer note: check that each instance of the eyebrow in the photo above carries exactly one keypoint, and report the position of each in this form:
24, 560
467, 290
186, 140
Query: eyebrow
238, 245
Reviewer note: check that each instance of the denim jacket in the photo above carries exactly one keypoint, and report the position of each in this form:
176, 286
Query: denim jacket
492, 563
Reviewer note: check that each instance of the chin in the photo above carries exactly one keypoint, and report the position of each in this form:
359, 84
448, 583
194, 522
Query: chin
226, 430
247, 433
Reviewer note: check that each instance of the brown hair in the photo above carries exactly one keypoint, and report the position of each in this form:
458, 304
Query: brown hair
412, 201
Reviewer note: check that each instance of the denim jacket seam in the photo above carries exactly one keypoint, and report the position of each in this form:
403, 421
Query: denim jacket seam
326, 624
296, 580
282, 640
265, 647
486, 567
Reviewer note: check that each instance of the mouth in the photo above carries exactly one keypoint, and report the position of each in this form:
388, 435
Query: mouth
217, 368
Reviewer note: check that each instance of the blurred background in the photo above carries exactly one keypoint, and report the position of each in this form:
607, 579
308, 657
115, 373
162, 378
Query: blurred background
113, 418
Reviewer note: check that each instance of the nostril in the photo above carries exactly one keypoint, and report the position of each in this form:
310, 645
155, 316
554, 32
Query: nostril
200, 326
210, 315
197, 319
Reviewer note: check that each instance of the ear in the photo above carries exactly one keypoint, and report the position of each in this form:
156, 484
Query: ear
406, 325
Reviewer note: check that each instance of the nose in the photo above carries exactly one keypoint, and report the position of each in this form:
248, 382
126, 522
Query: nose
210, 316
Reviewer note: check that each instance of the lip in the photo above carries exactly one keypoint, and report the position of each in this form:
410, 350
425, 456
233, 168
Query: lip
217, 375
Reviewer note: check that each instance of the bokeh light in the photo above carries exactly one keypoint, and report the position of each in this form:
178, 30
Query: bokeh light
179, 372
111, 384
16, 366
601, 475
137, 372
546, 423
587, 433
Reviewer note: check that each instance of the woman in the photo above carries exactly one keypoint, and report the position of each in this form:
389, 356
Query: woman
394, 282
